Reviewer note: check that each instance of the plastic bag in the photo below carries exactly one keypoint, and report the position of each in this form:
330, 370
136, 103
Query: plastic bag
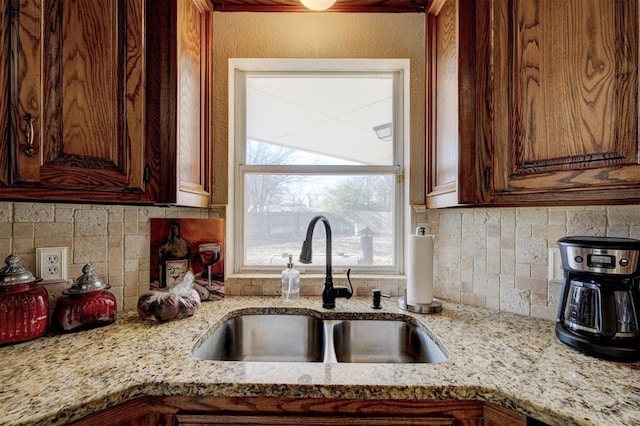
179, 301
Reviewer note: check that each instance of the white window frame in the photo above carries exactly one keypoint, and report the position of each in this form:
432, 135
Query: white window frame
239, 68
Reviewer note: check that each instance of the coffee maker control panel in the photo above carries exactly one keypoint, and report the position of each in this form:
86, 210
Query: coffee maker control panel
601, 260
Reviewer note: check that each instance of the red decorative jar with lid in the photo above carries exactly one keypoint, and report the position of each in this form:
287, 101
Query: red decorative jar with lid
24, 306
86, 304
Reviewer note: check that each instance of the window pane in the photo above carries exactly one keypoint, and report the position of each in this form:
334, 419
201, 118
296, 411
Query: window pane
327, 120
279, 207
263, 153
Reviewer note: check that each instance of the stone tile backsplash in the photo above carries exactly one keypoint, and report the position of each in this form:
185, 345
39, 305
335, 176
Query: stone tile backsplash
114, 239
489, 257
498, 257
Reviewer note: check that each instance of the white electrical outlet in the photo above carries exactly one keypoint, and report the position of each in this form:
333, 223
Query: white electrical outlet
555, 264
51, 263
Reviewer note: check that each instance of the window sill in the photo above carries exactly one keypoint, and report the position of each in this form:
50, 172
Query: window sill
311, 284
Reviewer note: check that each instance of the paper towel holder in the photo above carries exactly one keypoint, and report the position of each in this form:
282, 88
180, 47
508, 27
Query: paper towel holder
420, 308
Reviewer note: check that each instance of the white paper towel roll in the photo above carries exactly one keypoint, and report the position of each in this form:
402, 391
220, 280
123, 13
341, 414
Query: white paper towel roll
420, 269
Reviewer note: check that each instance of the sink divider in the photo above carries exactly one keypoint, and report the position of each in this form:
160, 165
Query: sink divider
329, 348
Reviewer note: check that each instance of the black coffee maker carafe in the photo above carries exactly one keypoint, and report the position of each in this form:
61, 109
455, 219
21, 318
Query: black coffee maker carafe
600, 296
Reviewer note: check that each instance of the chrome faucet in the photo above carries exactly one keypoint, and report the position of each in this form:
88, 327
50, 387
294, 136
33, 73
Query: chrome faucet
330, 292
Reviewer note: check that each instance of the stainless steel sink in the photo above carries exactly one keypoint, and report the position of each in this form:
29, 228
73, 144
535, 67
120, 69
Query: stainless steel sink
266, 337
384, 341
306, 338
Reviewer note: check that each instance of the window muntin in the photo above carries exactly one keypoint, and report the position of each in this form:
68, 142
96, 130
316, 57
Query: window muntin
286, 174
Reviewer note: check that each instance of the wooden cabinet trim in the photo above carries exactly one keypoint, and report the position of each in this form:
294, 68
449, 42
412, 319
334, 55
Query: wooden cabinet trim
317, 406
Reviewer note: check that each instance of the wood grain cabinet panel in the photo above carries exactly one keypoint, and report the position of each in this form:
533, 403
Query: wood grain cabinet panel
210, 410
135, 412
451, 103
318, 411
4, 88
559, 120
76, 100
108, 101
495, 415
178, 101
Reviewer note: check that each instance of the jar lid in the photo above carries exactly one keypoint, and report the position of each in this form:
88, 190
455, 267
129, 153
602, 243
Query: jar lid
87, 282
13, 273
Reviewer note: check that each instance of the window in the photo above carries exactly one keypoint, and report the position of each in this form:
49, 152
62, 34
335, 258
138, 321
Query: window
313, 137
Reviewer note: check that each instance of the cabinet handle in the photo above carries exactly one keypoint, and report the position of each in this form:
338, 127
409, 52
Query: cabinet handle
28, 134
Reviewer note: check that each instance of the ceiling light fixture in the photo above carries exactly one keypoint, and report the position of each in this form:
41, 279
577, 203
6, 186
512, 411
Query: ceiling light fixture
384, 132
318, 4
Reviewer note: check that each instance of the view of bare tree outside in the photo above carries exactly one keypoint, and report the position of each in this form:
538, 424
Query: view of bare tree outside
269, 190
312, 146
278, 208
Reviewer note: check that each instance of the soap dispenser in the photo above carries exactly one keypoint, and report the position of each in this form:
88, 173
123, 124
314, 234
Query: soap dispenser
290, 282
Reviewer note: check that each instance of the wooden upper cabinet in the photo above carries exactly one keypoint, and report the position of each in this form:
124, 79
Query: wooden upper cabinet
559, 119
451, 103
179, 101
76, 90
4, 87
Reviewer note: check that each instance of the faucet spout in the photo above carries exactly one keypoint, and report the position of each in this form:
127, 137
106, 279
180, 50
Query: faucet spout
307, 253
329, 292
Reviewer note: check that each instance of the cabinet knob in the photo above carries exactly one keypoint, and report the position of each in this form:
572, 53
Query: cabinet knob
28, 134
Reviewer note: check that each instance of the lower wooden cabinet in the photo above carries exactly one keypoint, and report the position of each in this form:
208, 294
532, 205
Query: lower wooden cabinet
495, 415
263, 411
211, 420
131, 413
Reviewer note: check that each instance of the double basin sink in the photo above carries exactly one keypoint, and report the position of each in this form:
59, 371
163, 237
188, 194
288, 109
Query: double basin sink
304, 337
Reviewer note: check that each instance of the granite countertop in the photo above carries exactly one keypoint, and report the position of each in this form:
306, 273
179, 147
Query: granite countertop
507, 359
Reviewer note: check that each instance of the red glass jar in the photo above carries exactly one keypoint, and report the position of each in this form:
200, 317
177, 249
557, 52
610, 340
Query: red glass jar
86, 304
24, 306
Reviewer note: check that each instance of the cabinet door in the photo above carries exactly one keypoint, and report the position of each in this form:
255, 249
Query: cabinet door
560, 120
451, 174
178, 101
76, 100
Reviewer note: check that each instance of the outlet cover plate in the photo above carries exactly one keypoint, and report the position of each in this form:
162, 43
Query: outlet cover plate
556, 272
51, 263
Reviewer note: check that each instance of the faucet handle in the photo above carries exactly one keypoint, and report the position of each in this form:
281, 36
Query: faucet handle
344, 292
350, 285
377, 294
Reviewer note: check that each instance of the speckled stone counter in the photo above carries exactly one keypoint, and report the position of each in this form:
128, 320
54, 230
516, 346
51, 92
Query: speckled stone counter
510, 360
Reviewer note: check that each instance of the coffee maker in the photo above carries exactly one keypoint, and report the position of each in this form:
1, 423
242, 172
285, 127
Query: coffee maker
598, 310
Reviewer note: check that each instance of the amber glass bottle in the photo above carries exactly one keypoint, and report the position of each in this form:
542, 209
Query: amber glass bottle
175, 256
